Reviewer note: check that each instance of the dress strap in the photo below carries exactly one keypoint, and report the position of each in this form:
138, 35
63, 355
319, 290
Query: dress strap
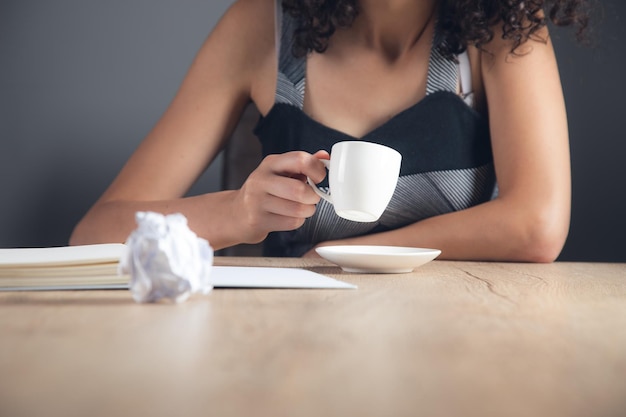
445, 74
442, 72
291, 79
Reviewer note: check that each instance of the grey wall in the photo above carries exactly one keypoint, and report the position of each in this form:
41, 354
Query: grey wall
595, 93
83, 81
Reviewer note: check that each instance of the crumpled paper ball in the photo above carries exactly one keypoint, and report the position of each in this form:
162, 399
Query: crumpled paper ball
165, 259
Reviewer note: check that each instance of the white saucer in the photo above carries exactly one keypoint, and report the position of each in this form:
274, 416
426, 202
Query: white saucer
377, 259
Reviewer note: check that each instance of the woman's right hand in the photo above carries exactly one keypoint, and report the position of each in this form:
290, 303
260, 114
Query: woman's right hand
276, 196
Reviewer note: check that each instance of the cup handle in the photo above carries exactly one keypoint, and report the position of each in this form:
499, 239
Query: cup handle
324, 195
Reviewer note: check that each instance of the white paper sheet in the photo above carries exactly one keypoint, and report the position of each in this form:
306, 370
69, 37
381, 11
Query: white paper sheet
265, 277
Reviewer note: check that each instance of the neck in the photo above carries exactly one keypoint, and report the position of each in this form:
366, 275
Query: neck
393, 26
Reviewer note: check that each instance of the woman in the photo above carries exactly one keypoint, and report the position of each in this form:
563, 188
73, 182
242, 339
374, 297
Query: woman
467, 91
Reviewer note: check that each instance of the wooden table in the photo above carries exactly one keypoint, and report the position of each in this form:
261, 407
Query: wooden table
449, 339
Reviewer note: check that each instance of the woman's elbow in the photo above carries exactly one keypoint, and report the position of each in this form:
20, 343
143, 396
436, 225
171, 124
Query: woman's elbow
543, 235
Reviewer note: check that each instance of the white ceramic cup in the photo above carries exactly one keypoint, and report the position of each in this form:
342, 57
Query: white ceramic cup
362, 177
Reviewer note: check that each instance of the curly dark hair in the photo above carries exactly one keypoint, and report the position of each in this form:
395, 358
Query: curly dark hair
461, 22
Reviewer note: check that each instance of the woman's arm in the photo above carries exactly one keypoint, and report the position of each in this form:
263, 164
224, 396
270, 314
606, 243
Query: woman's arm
529, 220
226, 74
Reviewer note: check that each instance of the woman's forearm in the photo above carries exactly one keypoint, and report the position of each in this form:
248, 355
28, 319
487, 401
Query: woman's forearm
495, 231
209, 216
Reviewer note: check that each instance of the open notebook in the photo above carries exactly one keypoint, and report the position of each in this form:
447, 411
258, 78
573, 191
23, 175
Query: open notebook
95, 267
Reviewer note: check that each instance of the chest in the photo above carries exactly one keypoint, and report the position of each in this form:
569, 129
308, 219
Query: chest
355, 95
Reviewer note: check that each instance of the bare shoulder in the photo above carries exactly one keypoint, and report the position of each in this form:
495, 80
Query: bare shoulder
499, 52
245, 36
251, 19
247, 29
527, 74
499, 65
